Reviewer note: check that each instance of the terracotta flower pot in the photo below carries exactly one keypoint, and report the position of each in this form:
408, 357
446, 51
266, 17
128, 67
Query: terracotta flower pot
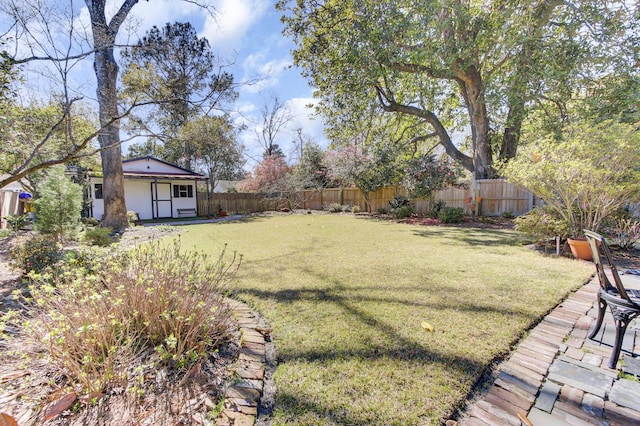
580, 248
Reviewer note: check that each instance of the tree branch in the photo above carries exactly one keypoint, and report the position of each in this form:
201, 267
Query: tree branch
389, 105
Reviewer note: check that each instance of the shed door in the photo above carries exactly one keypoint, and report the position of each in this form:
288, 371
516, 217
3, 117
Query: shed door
161, 200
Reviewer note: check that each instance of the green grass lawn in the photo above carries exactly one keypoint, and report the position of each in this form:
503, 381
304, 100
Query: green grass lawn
346, 297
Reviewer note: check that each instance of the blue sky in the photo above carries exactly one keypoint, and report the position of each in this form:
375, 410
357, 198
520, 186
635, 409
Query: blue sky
251, 32
247, 31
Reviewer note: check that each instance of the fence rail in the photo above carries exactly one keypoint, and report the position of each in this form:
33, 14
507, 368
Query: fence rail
498, 197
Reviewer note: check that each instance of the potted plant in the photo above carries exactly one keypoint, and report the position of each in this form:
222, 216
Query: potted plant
583, 175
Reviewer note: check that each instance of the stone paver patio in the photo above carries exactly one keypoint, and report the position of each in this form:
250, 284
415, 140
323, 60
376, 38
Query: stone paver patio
557, 376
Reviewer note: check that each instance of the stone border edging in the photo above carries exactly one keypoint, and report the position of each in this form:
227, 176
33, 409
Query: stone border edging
243, 396
520, 377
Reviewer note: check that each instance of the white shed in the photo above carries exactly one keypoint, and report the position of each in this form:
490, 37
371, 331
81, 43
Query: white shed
9, 201
153, 188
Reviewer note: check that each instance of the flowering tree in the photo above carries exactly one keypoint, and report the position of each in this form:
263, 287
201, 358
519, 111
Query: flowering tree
367, 171
275, 178
266, 175
425, 175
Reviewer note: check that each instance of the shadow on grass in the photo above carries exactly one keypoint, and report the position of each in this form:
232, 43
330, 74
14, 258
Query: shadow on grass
472, 236
395, 346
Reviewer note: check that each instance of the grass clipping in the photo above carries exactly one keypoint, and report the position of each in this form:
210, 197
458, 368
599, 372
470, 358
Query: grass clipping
106, 325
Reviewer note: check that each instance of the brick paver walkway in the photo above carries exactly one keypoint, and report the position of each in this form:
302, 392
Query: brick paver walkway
557, 376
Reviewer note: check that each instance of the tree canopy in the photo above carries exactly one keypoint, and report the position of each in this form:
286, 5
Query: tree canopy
471, 70
217, 150
177, 72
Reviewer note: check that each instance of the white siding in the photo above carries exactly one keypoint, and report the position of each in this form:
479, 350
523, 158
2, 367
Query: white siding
151, 166
138, 197
98, 205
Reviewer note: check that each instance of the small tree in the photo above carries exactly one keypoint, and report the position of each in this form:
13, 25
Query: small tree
425, 175
583, 177
368, 171
275, 178
59, 205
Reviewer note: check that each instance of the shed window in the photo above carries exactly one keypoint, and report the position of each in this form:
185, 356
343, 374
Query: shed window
98, 191
182, 191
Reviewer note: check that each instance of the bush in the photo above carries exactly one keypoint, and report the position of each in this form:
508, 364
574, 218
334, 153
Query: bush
403, 212
89, 221
155, 298
451, 215
335, 208
133, 217
98, 236
36, 253
382, 210
398, 202
355, 209
584, 174
437, 206
625, 232
542, 223
17, 222
59, 205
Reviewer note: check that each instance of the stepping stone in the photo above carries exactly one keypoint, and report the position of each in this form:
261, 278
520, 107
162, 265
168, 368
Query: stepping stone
607, 334
582, 378
626, 393
539, 417
548, 395
631, 366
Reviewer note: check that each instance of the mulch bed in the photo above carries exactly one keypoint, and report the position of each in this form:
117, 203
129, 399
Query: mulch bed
167, 397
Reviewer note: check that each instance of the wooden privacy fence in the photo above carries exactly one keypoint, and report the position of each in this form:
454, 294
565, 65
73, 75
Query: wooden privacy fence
498, 197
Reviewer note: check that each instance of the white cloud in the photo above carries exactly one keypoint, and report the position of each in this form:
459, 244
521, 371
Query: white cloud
302, 111
227, 30
257, 66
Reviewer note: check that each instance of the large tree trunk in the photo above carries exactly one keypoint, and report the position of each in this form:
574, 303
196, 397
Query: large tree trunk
115, 210
471, 86
106, 69
512, 131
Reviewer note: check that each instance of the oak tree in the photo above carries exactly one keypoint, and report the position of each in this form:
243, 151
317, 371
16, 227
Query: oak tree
471, 67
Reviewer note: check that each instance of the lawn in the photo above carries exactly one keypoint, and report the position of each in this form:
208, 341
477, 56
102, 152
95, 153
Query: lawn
346, 297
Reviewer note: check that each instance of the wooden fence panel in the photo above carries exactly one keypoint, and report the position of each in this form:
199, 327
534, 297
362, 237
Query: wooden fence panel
498, 197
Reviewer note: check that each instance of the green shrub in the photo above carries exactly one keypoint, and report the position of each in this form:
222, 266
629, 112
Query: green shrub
36, 253
398, 202
335, 208
542, 223
508, 215
355, 209
382, 210
154, 298
133, 217
17, 222
437, 206
403, 212
451, 215
98, 236
59, 205
625, 232
89, 221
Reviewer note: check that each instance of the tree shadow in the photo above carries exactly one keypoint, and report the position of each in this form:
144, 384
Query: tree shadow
395, 346
472, 236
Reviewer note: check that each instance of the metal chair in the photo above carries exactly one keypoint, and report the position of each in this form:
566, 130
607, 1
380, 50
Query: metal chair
624, 304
